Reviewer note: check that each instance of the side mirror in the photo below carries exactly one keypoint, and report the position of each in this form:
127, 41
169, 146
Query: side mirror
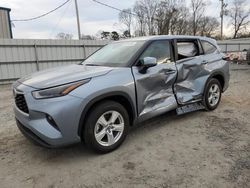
146, 63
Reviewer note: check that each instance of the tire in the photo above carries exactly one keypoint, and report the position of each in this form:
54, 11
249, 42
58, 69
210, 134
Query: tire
100, 127
212, 94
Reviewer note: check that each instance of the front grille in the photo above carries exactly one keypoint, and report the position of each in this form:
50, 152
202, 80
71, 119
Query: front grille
21, 103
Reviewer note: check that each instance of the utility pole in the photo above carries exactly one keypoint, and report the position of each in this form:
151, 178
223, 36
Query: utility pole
222, 12
78, 21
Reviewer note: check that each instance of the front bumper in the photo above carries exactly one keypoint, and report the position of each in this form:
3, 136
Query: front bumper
31, 136
65, 111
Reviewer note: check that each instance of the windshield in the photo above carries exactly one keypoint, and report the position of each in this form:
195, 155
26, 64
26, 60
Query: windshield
115, 54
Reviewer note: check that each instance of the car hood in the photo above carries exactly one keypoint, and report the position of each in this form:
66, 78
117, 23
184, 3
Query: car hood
62, 75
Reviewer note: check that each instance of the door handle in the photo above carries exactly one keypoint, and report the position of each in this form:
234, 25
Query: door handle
170, 71
204, 62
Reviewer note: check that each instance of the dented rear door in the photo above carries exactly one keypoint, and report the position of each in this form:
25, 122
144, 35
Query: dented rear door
155, 87
192, 72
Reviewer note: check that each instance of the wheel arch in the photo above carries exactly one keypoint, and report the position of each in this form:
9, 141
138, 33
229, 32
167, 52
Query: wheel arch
123, 98
219, 76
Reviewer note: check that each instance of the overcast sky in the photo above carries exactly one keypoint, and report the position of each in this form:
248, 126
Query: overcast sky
93, 17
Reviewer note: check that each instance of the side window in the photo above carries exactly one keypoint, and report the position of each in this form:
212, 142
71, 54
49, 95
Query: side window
208, 47
187, 49
160, 50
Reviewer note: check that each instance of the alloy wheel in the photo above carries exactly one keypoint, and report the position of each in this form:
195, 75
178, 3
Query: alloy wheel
214, 95
109, 128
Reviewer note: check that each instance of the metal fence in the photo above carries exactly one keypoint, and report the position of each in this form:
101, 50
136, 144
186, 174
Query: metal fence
236, 50
234, 46
19, 57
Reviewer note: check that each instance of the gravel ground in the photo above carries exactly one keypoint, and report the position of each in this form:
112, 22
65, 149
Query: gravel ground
200, 149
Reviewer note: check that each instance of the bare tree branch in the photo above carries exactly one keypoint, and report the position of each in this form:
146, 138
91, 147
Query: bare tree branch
239, 16
198, 8
125, 17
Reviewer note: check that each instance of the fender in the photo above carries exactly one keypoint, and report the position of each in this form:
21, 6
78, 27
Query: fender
216, 73
100, 98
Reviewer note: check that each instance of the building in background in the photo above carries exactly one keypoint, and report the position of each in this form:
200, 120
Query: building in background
5, 24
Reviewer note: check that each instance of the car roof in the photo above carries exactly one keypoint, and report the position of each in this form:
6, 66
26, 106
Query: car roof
162, 37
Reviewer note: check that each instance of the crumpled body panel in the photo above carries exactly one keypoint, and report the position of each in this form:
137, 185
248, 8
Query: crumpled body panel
190, 80
155, 90
193, 74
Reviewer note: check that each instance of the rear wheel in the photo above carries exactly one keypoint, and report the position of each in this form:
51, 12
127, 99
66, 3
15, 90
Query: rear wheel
106, 127
212, 95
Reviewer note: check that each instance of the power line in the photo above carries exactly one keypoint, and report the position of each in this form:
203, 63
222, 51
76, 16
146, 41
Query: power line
63, 14
45, 14
120, 10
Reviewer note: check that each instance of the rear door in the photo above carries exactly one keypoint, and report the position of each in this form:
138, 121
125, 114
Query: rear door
155, 87
192, 73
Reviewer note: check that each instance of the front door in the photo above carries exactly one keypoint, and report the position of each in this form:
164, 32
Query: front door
155, 86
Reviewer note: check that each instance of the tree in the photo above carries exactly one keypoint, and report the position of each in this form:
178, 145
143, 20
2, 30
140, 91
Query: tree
105, 35
126, 34
115, 35
165, 17
244, 35
181, 21
140, 18
146, 12
207, 26
165, 13
64, 36
239, 16
125, 17
87, 37
198, 8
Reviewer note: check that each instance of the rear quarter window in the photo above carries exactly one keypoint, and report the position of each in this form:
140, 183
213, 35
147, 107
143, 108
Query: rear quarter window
208, 47
187, 49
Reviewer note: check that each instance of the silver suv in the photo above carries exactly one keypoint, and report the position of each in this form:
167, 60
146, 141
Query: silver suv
123, 83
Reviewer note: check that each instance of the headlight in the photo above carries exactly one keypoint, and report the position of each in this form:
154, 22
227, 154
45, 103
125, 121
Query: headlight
58, 91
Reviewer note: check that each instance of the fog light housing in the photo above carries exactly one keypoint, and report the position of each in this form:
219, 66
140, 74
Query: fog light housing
51, 121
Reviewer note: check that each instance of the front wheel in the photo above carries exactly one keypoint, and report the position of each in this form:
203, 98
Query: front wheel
106, 127
212, 95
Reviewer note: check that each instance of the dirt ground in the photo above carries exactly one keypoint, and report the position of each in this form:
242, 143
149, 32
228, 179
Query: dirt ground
200, 149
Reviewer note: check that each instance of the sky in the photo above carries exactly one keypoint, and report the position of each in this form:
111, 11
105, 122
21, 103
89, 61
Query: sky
93, 17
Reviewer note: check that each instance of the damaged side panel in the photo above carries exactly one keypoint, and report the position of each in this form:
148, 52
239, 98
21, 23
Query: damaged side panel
193, 74
191, 77
154, 90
